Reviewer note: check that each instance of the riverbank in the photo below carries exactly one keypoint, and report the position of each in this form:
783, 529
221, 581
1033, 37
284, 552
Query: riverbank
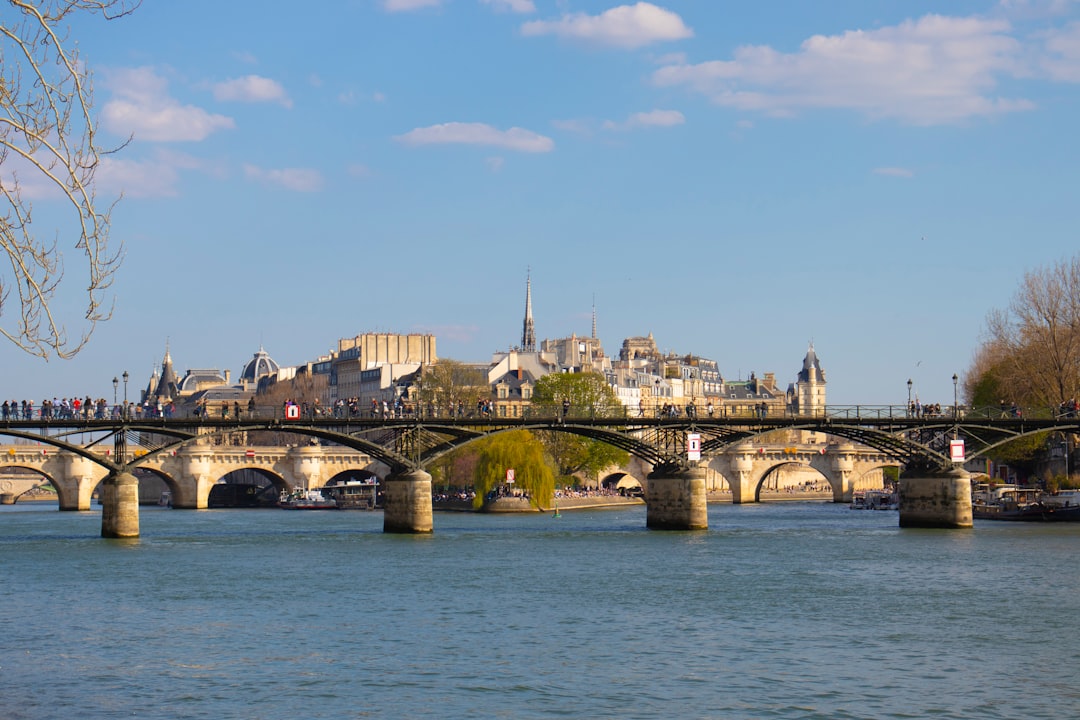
522, 504
594, 502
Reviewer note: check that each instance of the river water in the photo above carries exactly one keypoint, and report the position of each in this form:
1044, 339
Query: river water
779, 610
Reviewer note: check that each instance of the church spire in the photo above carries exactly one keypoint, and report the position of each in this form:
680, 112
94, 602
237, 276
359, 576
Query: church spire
528, 332
594, 316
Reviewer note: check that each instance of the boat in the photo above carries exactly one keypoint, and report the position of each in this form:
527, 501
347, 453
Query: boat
874, 500
306, 500
353, 494
1011, 502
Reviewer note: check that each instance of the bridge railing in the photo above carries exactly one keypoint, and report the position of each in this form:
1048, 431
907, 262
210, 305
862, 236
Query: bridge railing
719, 410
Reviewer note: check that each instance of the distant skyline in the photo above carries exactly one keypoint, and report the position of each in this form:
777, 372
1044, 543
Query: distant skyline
739, 179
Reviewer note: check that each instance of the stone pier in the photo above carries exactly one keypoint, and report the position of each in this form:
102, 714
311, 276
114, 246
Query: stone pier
120, 506
936, 499
676, 500
407, 503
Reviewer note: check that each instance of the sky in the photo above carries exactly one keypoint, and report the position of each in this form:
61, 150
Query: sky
740, 179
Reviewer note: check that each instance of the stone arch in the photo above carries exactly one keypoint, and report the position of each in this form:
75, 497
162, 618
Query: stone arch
789, 475
622, 482
243, 487
246, 486
13, 487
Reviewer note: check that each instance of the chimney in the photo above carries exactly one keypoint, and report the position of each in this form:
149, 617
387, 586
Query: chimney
228, 374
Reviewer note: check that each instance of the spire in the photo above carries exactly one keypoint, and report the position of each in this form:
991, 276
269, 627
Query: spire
594, 316
528, 332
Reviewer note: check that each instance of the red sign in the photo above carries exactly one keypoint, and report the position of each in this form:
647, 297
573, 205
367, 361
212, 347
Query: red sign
510, 475
292, 412
250, 453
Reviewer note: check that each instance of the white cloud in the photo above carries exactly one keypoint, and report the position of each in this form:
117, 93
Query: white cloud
478, 134
1062, 58
518, 6
298, 179
894, 172
252, 88
156, 176
933, 70
653, 118
143, 108
409, 5
495, 163
627, 26
138, 178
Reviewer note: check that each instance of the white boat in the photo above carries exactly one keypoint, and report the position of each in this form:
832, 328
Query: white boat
874, 500
306, 500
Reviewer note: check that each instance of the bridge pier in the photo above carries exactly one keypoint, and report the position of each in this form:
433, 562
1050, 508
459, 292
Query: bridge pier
936, 499
407, 503
676, 500
120, 506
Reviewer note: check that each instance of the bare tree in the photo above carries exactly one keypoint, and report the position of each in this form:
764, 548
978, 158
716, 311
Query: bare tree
1033, 347
48, 143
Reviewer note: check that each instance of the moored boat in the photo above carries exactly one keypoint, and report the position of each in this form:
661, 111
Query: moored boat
874, 500
306, 500
1010, 502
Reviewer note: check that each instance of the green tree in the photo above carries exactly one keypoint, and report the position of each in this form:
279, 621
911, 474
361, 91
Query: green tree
577, 455
520, 450
49, 148
588, 393
590, 396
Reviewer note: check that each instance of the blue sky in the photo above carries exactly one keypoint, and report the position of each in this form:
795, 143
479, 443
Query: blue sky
739, 179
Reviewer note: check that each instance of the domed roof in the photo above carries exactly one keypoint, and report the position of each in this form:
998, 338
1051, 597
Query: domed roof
259, 366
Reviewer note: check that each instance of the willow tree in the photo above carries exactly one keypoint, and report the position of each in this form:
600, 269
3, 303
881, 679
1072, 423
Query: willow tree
1032, 348
49, 149
520, 451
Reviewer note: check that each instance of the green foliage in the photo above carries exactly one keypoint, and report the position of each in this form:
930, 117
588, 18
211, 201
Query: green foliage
1021, 454
520, 450
574, 454
588, 393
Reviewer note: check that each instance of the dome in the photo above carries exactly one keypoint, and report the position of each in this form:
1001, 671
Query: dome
259, 366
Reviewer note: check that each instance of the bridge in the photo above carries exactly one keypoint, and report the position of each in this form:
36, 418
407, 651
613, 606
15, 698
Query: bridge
183, 450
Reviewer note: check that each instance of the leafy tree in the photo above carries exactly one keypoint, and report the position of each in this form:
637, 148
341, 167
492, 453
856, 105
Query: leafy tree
520, 450
49, 147
591, 396
574, 455
588, 393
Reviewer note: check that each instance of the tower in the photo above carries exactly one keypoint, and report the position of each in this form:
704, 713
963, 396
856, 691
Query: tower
811, 385
528, 331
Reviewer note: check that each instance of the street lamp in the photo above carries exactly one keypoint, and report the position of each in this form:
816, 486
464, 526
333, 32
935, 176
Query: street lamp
909, 396
125, 376
955, 409
115, 385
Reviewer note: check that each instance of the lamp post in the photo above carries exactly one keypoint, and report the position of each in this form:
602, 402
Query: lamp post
115, 385
909, 397
955, 408
125, 376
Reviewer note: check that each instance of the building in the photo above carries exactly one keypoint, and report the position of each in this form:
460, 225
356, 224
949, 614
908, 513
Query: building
405, 354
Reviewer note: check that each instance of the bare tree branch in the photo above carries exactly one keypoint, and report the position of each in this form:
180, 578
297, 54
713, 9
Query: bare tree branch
48, 134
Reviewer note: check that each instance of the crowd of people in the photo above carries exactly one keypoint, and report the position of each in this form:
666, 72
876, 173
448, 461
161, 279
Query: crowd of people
60, 409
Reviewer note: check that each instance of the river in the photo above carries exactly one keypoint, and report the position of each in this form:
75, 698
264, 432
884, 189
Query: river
779, 610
